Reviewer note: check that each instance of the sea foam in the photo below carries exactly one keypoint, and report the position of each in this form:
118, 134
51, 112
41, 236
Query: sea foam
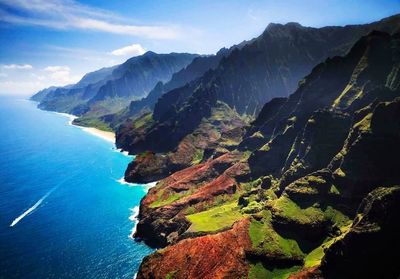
146, 187
70, 116
134, 218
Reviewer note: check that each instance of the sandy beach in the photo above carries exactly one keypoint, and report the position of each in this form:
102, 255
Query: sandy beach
108, 136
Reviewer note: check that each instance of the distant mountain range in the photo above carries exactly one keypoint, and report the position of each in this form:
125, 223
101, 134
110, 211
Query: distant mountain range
109, 90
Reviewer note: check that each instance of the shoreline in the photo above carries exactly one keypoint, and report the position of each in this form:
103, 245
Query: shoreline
106, 135
109, 137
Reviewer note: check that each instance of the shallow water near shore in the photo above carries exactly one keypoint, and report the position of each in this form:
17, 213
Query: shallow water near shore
63, 213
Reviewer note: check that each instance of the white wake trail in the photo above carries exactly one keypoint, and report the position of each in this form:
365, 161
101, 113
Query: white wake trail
27, 212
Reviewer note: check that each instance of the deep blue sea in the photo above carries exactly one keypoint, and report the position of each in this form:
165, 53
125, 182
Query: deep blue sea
59, 189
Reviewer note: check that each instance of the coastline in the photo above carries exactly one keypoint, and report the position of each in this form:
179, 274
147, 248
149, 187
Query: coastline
86, 173
108, 136
111, 137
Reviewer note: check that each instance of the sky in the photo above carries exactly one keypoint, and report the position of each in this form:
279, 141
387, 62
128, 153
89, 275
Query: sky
55, 42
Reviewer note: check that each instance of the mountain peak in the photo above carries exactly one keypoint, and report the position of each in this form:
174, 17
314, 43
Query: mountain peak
274, 26
149, 53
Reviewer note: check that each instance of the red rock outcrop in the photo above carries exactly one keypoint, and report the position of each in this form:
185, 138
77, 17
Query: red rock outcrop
162, 219
206, 257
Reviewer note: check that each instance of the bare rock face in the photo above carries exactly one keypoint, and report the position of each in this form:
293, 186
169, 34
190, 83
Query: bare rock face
208, 257
147, 167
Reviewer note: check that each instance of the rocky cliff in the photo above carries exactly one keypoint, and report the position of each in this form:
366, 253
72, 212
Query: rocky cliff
268, 66
309, 190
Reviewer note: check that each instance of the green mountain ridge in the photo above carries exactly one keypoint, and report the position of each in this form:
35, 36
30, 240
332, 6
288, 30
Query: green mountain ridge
266, 67
315, 196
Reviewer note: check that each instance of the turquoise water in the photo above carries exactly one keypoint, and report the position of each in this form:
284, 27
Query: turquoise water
59, 189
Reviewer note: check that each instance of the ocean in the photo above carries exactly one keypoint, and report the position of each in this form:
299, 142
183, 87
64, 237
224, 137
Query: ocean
63, 211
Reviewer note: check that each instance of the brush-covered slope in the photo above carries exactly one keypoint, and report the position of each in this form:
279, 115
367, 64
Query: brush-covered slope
268, 66
109, 90
194, 70
197, 68
40, 95
137, 108
310, 191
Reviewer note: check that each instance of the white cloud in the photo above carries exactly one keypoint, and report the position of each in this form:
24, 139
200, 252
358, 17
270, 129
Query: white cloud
17, 67
18, 84
57, 68
34, 79
19, 87
132, 50
61, 75
66, 14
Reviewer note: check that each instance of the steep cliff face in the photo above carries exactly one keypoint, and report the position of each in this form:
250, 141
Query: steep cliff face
109, 90
269, 66
221, 131
194, 70
366, 250
364, 68
138, 75
40, 95
312, 182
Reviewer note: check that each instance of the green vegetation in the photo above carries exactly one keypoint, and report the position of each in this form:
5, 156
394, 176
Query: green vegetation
339, 172
216, 201
336, 217
246, 156
170, 275
314, 257
257, 134
364, 124
222, 112
198, 156
216, 218
266, 240
334, 190
265, 147
251, 184
307, 185
143, 120
290, 210
258, 271
253, 207
344, 92
164, 198
92, 122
